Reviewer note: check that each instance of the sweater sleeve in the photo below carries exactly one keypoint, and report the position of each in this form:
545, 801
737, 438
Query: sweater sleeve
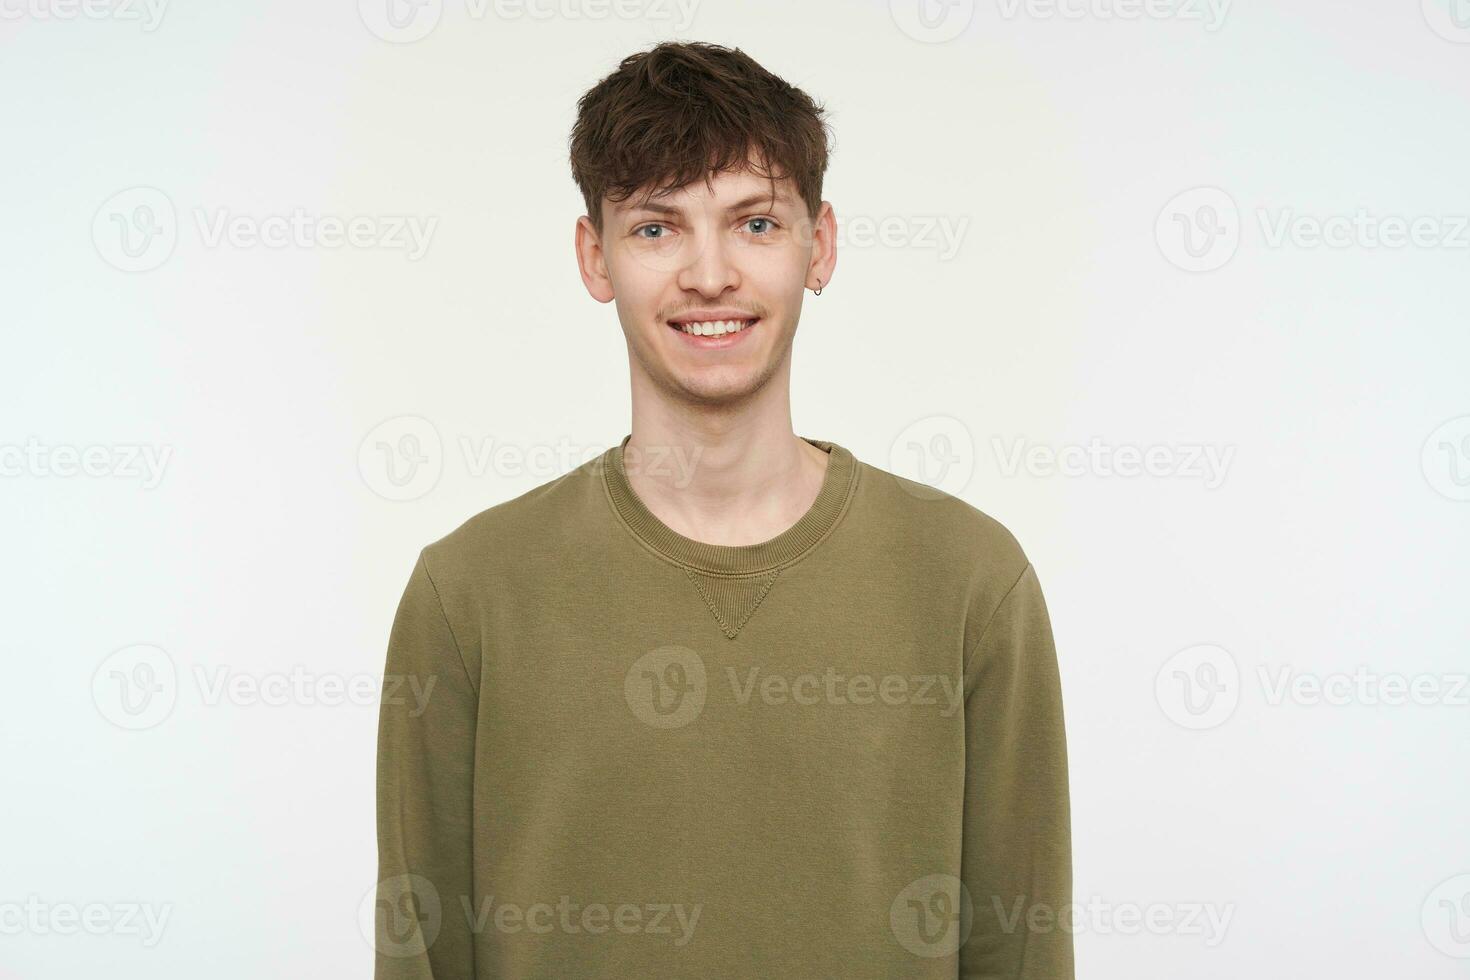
1016, 861
425, 777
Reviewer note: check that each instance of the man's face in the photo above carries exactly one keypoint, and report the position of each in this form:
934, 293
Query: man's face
709, 280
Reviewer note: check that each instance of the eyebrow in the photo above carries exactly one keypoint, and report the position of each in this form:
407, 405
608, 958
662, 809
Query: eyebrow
740, 205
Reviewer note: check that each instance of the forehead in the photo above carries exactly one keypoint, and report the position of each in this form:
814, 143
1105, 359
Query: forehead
725, 189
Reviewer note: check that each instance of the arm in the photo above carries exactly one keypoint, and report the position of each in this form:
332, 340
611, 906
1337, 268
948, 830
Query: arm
1016, 862
425, 776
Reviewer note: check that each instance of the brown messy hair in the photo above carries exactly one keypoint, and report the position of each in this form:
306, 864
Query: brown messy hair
682, 111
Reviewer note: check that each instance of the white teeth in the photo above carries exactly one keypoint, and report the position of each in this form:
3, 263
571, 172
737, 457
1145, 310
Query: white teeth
713, 328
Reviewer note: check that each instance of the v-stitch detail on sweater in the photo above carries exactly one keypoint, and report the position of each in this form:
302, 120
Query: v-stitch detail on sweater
732, 601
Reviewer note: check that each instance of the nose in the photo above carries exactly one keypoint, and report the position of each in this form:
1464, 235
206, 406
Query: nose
711, 269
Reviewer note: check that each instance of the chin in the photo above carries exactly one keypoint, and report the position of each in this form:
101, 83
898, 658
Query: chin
717, 386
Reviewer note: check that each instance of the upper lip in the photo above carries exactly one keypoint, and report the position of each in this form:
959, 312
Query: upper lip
704, 316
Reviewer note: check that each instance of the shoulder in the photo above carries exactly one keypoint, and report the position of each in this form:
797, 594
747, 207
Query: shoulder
961, 551
516, 530
960, 548
942, 525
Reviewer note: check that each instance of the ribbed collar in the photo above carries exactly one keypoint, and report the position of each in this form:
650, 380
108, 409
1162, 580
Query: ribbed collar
718, 559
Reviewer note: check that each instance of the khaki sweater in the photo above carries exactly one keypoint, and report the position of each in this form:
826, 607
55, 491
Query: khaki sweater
608, 750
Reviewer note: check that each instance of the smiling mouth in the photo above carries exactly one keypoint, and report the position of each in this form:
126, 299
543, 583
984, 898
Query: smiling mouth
713, 328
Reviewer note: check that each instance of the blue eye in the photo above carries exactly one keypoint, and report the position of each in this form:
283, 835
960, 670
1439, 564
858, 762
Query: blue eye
766, 221
640, 232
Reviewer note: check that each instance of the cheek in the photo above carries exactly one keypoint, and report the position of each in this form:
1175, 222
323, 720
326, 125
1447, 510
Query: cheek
771, 274
636, 287
777, 270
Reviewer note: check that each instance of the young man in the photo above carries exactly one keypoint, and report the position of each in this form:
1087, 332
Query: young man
724, 701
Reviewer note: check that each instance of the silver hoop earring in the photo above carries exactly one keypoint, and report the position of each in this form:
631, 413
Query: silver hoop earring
818, 290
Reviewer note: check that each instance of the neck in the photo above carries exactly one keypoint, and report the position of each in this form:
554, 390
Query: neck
722, 477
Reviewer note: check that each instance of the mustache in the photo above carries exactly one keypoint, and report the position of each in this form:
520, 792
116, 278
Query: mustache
745, 315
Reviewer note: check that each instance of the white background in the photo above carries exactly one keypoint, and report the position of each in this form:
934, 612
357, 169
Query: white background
1117, 181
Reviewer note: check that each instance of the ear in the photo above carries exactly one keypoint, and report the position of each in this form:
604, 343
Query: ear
592, 261
824, 248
